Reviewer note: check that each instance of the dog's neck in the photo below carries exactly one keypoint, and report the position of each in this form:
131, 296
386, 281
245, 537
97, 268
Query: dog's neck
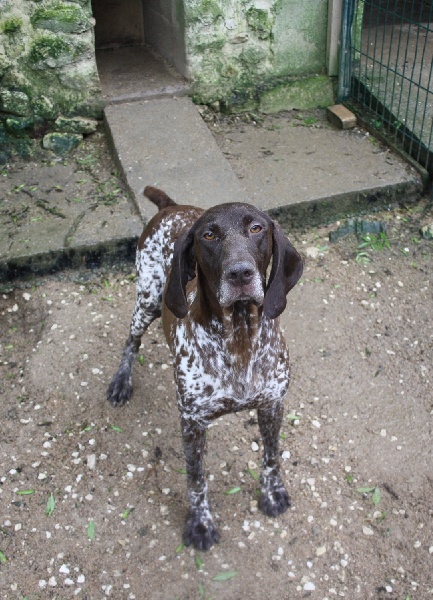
237, 325
240, 326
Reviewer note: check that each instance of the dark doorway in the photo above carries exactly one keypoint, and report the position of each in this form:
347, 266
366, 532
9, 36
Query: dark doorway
139, 49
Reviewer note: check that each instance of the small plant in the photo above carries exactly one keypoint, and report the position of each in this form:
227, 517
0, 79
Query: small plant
310, 120
12, 25
375, 241
375, 492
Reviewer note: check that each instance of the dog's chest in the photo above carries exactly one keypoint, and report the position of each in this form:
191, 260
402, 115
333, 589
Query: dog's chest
214, 379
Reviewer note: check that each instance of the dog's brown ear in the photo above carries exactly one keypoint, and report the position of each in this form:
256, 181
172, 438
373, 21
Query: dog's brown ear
182, 271
287, 267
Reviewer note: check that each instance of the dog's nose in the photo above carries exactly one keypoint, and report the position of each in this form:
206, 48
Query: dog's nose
240, 273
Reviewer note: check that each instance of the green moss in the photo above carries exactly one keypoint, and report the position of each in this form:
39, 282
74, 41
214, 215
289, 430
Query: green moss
12, 25
302, 93
261, 21
206, 11
60, 17
48, 46
18, 125
53, 51
273, 95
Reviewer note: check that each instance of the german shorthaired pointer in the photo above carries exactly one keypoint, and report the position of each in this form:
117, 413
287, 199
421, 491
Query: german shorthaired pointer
205, 272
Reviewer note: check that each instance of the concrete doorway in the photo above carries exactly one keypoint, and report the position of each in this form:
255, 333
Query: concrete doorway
140, 49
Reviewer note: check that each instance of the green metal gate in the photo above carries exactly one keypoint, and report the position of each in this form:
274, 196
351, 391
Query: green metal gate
386, 70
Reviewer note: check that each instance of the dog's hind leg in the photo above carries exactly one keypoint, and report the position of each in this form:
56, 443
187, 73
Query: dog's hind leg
120, 388
150, 285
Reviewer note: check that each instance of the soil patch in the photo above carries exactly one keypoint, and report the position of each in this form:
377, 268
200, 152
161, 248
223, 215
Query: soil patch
93, 498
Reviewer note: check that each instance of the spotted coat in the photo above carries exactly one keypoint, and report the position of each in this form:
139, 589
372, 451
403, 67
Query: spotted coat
207, 274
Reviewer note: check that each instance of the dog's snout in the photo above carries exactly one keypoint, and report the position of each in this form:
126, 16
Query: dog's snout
240, 273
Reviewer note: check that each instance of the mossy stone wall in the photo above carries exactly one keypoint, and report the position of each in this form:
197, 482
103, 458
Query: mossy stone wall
238, 52
242, 54
47, 62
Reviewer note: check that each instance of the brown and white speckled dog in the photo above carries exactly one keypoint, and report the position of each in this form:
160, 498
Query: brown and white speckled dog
205, 272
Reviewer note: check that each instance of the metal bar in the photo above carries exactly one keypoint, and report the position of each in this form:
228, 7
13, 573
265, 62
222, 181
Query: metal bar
344, 66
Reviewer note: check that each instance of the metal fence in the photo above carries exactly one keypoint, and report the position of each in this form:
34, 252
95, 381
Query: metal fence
386, 70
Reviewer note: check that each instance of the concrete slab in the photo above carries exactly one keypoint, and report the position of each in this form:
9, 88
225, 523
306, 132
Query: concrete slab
166, 143
303, 170
72, 212
67, 213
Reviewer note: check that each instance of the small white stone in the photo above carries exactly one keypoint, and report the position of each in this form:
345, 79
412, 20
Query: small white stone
309, 586
285, 455
52, 581
312, 252
321, 550
69, 581
26, 296
430, 550
367, 531
42, 476
81, 579
315, 424
254, 446
311, 481
91, 461
42, 583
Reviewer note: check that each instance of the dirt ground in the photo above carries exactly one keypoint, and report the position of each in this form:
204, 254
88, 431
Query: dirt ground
92, 499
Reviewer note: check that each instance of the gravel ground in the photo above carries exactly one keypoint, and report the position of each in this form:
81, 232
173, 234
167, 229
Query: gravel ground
93, 498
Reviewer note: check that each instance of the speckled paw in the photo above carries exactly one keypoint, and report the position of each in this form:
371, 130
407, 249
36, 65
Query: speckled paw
119, 391
274, 501
201, 533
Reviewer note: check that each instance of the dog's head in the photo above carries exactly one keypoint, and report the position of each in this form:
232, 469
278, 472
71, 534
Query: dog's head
229, 248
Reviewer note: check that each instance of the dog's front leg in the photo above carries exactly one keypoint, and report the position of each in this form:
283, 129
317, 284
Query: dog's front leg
274, 498
200, 529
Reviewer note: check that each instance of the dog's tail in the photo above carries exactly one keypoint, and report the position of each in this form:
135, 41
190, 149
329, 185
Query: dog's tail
158, 197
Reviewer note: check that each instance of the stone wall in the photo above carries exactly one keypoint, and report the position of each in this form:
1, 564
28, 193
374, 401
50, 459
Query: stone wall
239, 54
47, 63
266, 54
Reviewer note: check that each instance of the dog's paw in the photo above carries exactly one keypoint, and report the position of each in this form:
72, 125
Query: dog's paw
274, 499
200, 531
120, 389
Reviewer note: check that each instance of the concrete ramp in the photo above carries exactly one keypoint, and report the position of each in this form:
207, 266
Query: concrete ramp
165, 143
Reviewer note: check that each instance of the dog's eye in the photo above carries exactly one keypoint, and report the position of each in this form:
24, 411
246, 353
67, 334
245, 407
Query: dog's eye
256, 228
209, 236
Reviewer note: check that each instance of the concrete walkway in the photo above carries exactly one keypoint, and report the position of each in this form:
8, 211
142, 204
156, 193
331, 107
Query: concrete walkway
312, 176
312, 173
